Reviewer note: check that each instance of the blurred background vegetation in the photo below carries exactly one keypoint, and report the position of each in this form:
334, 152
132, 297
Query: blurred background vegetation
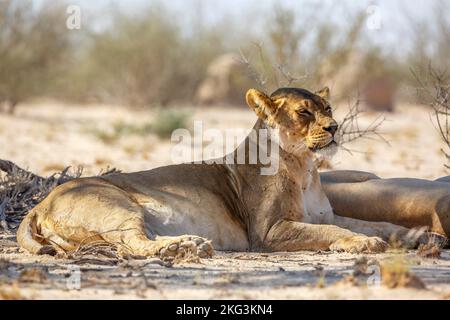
159, 54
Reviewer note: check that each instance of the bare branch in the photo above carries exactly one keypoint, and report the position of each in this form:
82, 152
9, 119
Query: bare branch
252, 72
437, 88
21, 190
290, 79
350, 129
269, 77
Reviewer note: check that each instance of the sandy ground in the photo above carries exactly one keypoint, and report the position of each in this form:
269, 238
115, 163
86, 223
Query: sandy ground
46, 137
237, 275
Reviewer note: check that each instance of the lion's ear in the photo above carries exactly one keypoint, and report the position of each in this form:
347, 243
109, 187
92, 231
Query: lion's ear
324, 93
261, 104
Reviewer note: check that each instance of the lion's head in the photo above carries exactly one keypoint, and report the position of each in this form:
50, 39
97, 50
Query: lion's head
304, 118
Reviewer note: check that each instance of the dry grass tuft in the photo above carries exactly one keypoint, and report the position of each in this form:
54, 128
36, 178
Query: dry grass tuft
4, 265
10, 292
395, 273
100, 252
224, 280
33, 275
350, 280
434, 246
363, 270
97, 252
429, 251
361, 266
321, 282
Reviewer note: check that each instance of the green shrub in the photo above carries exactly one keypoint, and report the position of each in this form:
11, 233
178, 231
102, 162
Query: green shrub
169, 119
145, 60
164, 122
34, 47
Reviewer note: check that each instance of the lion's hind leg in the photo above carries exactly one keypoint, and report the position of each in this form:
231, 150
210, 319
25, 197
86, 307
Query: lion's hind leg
88, 210
138, 244
124, 225
119, 219
184, 245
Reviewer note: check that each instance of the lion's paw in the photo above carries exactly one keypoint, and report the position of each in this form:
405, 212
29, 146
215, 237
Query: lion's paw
418, 236
184, 246
359, 244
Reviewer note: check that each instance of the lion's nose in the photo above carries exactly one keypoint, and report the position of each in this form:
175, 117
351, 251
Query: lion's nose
331, 128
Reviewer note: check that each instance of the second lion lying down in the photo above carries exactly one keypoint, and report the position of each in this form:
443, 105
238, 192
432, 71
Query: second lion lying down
176, 209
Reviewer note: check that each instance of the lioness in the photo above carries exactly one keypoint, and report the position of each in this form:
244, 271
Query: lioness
407, 202
183, 208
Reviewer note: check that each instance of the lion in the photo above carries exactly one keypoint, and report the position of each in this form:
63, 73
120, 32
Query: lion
192, 208
409, 202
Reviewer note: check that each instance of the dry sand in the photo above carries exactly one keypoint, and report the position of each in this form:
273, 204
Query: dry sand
46, 137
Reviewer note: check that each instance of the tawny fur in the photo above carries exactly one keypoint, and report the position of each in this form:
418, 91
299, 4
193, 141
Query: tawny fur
404, 201
190, 207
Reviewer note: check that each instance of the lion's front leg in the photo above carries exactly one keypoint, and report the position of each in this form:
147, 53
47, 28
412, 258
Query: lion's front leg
406, 236
384, 230
288, 235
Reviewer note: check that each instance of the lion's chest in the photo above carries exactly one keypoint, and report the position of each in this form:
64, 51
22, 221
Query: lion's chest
311, 199
316, 207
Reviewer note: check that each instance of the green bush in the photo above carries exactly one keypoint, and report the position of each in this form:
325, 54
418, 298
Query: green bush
164, 122
153, 58
145, 60
169, 119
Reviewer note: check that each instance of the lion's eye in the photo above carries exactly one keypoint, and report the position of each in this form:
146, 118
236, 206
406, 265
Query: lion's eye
304, 113
328, 109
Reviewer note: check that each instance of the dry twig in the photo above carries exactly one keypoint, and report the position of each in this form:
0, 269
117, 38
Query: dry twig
269, 78
350, 130
437, 89
21, 190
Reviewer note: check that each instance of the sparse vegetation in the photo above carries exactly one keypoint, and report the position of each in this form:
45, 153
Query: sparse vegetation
436, 88
144, 60
10, 292
350, 129
165, 121
429, 250
150, 58
120, 129
396, 273
34, 48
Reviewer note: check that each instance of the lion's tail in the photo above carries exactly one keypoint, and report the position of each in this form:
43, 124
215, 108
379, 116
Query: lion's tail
26, 230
